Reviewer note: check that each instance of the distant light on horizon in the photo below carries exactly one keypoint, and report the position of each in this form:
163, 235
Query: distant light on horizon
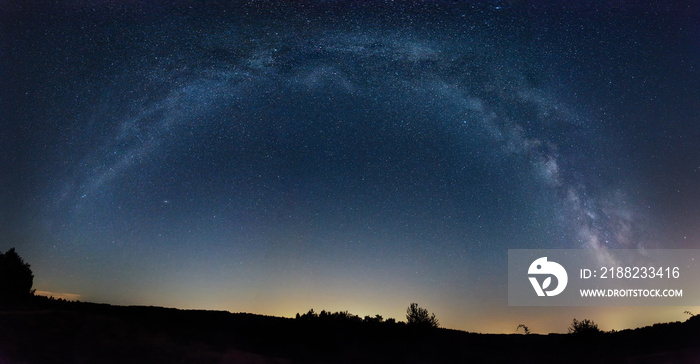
59, 295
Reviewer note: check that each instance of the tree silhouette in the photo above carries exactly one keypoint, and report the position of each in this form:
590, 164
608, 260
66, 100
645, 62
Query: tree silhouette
584, 327
419, 316
16, 279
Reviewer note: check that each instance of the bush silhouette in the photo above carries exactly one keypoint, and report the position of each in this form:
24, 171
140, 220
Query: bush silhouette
584, 327
16, 279
419, 316
526, 329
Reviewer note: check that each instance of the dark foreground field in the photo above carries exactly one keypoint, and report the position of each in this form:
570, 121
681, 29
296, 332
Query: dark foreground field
91, 333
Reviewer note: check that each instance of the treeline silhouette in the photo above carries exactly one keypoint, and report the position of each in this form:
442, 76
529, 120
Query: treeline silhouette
342, 316
416, 316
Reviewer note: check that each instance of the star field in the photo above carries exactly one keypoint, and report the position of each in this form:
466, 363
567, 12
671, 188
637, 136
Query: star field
271, 158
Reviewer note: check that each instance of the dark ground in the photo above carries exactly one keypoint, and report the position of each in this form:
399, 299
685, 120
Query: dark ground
63, 332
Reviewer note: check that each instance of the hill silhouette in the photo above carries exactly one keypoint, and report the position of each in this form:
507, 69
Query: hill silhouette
57, 331
37, 329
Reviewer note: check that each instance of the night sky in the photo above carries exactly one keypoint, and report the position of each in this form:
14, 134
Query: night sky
272, 157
